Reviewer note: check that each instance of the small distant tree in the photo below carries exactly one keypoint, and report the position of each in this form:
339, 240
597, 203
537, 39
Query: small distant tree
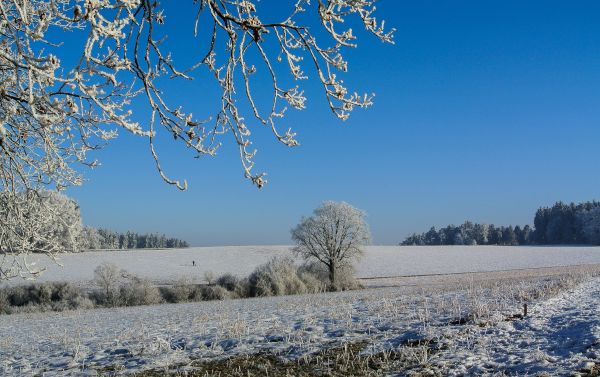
481, 233
527, 235
509, 237
334, 236
107, 277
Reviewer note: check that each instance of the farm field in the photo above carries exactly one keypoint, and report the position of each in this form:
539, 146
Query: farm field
166, 266
470, 324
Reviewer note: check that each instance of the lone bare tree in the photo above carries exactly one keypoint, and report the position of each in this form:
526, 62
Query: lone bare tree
107, 276
334, 236
55, 106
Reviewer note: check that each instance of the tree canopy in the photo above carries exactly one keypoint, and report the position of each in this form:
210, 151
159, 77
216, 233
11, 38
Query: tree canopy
333, 236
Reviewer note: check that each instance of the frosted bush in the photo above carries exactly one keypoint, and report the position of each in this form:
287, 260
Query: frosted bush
344, 279
312, 282
75, 302
214, 292
182, 291
56, 296
276, 277
227, 281
209, 277
137, 291
4, 303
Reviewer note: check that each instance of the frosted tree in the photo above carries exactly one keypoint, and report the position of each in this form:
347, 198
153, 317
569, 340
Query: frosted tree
90, 239
35, 222
481, 233
55, 109
333, 236
107, 277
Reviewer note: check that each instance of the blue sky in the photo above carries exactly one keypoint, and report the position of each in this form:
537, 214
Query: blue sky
483, 111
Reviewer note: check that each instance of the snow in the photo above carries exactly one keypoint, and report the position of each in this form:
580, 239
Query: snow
559, 336
165, 266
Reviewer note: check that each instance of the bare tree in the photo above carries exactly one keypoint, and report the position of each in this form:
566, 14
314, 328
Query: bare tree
52, 112
108, 277
333, 236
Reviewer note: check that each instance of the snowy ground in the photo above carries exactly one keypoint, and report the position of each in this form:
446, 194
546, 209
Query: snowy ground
164, 266
560, 334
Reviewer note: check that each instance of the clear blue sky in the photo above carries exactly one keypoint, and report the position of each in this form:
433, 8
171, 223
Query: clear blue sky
484, 111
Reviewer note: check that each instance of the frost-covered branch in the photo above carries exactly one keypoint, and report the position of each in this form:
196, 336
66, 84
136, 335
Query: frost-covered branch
59, 101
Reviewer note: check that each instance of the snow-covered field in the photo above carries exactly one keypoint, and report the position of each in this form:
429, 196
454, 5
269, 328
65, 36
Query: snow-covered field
163, 266
460, 314
559, 336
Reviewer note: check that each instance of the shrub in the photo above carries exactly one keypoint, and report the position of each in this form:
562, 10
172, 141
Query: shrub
227, 281
344, 279
57, 296
76, 302
182, 291
214, 292
137, 291
19, 295
209, 277
63, 291
29, 308
4, 303
242, 289
312, 282
277, 277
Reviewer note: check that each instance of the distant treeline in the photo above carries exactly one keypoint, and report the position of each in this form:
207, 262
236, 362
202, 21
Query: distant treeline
108, 239
568, 224
472, 234
562, 223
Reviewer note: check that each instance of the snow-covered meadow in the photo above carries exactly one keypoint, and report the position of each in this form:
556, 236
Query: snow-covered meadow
164, 266
466, 327
449, 310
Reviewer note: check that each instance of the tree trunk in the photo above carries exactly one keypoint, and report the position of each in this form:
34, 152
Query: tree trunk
332, 271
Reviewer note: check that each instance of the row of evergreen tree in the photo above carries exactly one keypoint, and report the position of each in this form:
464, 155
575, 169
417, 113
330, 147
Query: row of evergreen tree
108, 239
561, 224
472, 234
568, 224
